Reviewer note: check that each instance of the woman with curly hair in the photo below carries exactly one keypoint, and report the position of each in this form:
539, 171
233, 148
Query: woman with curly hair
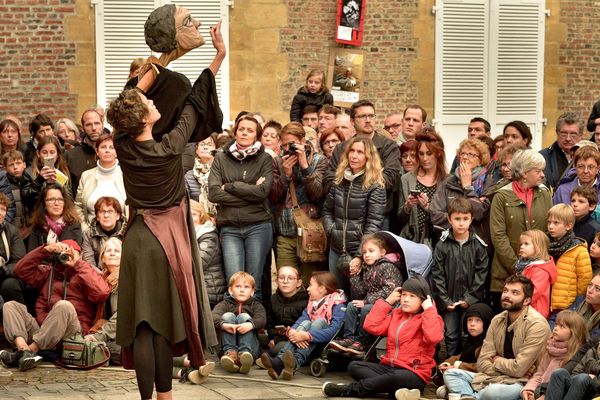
355, 204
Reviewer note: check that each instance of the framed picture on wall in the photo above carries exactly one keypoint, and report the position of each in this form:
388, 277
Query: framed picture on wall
345, 75
350, 21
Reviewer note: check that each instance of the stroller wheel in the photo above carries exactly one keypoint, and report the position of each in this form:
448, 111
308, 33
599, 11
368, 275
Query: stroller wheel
317, 368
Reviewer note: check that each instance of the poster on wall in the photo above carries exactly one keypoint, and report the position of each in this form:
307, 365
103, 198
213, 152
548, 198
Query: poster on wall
345, 75
350, 21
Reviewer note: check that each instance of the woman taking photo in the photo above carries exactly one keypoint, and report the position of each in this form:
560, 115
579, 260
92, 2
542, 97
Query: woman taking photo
108, 223
239, 182
54, 218
355, 204
418, 188
106, 180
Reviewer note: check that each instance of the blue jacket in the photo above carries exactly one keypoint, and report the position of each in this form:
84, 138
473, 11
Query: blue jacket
327, 334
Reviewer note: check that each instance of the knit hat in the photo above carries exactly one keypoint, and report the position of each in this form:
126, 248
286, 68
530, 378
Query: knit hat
417, 285
72, 244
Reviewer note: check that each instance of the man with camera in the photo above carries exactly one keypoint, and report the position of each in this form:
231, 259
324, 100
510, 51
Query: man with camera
69, 292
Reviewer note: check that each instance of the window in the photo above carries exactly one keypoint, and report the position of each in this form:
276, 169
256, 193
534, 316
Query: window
489, 63
120, 39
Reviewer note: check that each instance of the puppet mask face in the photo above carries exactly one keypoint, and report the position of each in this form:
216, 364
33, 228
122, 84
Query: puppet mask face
188, 37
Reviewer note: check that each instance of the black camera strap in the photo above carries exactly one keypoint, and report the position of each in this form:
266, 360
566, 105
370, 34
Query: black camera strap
50, 281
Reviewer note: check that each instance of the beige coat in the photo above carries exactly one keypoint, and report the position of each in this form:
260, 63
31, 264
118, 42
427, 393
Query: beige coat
531, 330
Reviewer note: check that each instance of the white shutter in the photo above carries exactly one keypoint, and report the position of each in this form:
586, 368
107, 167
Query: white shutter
489, 63
120, 39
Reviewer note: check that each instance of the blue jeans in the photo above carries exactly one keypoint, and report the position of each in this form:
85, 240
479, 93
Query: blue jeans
342, 280
564, 386
246, 249
302, 355
453, 329
237, 341
499, 391
459, 381
354, 320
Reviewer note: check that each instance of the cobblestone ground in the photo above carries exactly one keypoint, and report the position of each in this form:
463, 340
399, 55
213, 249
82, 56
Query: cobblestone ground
48, 382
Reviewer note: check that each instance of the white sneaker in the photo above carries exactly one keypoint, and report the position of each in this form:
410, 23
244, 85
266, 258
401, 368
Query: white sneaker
408, 394
441, 392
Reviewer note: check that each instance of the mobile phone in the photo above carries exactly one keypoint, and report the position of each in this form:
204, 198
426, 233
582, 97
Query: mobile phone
49, 162
279, 327
415, 193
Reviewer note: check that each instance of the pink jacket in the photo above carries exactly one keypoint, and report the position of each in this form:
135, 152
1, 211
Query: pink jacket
543, 275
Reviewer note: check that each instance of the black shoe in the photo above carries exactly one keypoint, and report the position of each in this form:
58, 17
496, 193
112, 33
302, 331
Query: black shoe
29, 360
10, 359
331, 389
274, 365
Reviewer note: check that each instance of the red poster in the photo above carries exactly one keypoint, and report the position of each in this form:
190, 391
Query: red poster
350, 21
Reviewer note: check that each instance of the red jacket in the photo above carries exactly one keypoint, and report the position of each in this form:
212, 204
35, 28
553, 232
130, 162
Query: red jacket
85, 286
543, 275
411, 338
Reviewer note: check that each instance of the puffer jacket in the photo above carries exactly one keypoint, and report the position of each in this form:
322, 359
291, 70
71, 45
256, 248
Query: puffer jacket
95, 237
574, 273
212, 263
304, 98
285, 310
241, 202
508, 219
459, 271
376, 281
411, 338
251, 307
350, 208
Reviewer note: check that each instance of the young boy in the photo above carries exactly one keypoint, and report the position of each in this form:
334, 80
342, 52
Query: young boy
459, 271
14, 164
570, 253
584, 201
239, 317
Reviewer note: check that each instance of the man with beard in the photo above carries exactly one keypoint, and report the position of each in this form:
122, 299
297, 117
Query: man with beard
512, 344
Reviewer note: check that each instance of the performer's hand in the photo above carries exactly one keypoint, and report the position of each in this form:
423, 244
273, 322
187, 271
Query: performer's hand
245, 327
217, 38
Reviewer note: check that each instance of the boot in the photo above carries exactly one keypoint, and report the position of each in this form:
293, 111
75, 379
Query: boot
230, 361
274, 365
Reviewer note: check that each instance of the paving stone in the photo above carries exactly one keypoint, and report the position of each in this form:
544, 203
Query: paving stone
248, 393
53, 387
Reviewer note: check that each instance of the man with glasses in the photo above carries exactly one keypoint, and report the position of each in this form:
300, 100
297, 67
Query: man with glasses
393, 125
362, 115
569, 131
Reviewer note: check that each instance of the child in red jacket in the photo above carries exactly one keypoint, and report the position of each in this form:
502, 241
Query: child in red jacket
413, 330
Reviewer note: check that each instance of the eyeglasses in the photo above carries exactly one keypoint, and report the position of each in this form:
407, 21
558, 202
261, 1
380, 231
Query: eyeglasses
573, 135
584, 167
107, 212
470, 155
286, 279
596, 287
331, 142
55, 200
393, 126
406, 156
365, 116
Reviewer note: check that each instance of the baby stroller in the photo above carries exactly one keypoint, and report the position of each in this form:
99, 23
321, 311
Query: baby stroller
414, 258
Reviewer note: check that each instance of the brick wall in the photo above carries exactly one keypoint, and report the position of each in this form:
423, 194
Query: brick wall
34, 59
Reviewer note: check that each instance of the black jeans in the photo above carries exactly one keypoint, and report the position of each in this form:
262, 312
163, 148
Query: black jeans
373, 378
564, 386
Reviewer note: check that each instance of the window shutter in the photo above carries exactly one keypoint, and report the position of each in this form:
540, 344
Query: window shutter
120, 39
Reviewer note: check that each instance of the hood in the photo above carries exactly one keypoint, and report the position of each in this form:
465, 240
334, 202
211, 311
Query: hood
417, 256
482, 311
549, 267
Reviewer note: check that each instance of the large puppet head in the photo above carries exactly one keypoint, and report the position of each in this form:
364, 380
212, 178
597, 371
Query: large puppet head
171, 27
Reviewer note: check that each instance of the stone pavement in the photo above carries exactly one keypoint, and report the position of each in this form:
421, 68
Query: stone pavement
48, 382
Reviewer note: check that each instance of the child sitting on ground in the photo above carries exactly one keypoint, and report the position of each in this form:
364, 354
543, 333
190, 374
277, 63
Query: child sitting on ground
375, 279
413, 331
584, 201
569, 333
314, 92
535, 263
318, 324
239, 317
476, 322
570, 253
287, 305
460, 265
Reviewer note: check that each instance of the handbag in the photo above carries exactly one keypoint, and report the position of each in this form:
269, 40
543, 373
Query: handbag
77, 353
311, 245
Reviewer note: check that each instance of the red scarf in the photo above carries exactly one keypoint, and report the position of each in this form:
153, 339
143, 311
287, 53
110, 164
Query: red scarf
525, 194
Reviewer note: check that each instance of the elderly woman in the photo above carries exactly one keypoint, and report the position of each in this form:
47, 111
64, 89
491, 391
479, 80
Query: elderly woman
518, 206
517, 133
239, 182
408, 155
67, 132
328, 142
505, 157
106, 180
271, 139
108, 223
586, 169
418, 188
196, 179
469, 181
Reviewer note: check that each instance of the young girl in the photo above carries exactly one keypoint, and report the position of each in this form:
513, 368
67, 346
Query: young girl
318, 323
287, 305
314, 92
570, 332
535, 263
595, 254
374, 279
413, 330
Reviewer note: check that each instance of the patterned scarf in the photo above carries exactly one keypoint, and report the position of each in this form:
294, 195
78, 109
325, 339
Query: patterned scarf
323, 308
522, 263
478, 178
241, 153
559, 246
54, 229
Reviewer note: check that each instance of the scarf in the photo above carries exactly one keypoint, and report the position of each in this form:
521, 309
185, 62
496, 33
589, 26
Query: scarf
559, 246
522, 263
556, 349
112, 278
240, 153
54, 229
201, 172
478, 178
525, 194
323, 308
349, 176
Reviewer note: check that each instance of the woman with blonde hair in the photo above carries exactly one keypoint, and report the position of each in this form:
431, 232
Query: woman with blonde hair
354, 206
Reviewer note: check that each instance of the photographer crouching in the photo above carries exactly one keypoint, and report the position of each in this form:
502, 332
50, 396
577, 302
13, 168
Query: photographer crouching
69, 292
